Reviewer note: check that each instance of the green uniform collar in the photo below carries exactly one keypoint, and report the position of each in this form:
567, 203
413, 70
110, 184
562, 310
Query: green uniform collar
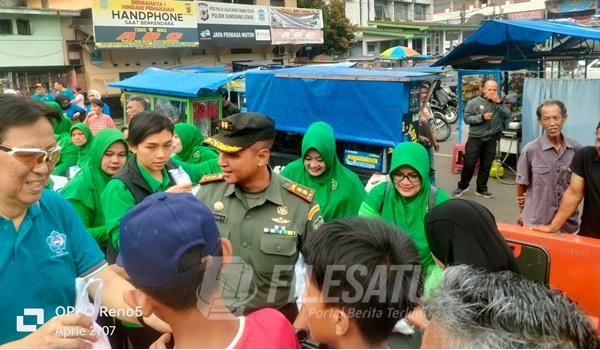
153, 183
272, 193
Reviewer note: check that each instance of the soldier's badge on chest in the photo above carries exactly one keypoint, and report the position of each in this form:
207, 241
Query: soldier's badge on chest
281, 220
282, 210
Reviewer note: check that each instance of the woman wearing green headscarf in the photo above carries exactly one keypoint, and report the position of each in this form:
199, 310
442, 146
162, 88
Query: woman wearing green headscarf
188, 145
107, 155
68, 153
81, 136
338, 190
405, 200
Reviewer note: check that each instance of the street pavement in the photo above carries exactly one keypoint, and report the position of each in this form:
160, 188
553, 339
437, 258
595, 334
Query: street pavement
503, 205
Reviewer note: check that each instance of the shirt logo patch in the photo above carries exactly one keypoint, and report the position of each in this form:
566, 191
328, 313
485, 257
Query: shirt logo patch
57, 242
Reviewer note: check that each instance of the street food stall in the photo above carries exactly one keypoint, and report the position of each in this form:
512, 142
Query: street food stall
368, 109
189, 96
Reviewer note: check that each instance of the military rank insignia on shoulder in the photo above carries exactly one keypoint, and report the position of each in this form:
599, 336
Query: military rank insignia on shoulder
206, 179
303, 192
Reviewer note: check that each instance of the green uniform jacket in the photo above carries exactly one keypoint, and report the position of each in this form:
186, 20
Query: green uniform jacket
474, 117
266, 231
116, 199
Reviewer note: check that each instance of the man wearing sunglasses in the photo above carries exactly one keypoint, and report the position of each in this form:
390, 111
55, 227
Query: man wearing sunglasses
43, 244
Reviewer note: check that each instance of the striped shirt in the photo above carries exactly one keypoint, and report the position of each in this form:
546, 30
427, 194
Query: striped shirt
97, 123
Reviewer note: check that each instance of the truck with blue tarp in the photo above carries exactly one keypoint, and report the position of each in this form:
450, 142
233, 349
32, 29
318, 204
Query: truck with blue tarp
370, 110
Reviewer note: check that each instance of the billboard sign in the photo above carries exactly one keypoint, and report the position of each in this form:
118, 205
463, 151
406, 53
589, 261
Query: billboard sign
223, 24
280, 36
144, 24
300, 18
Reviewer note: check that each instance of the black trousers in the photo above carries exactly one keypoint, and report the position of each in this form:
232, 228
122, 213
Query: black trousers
485, 151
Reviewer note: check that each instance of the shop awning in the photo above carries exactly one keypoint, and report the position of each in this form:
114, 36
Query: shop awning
516, 44
174, 83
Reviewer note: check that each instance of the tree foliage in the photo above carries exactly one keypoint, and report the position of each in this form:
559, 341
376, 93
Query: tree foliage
338, 32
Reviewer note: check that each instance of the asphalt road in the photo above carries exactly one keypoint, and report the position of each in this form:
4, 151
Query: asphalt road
503, 205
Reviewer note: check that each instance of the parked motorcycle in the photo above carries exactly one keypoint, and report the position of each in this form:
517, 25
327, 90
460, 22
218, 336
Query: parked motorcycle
444, 101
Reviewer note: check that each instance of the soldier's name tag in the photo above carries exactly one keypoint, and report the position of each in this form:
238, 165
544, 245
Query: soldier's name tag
220, 218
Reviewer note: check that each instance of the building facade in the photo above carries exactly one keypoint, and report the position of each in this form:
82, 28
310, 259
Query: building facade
96, 66
33, 47
473, 11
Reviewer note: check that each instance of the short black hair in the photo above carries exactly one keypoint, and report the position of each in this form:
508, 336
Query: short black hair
60, 98
145, 124
426, 85
186, 293
139, 100
19, 111
60, 83
389, 261
96, 101
563, 109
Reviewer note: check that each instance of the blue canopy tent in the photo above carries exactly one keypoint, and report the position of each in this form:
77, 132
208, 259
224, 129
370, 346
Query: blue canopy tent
364, 106
517, 44
503, 45
175, 83
183, 95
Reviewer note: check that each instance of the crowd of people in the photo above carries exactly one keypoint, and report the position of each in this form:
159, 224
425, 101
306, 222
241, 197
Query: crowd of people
250, 256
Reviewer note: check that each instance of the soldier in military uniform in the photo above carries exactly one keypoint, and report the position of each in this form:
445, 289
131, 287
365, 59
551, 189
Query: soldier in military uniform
265, 216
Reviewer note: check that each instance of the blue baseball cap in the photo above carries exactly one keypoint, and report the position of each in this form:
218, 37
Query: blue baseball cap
156, 232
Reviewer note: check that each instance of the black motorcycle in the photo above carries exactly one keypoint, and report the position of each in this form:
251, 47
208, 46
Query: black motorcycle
444, 101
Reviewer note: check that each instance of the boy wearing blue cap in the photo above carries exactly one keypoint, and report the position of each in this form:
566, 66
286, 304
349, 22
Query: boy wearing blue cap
172, 251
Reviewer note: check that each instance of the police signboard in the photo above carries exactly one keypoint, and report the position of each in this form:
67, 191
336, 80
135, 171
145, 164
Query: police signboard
144, 24
222, 24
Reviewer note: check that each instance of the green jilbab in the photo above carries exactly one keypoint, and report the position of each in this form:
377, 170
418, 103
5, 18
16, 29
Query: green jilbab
408, 213
83, 155
193, 151
338, 190
62, 135
84, 190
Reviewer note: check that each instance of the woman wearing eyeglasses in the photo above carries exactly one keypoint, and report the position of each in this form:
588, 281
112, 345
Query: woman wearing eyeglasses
405, 200
81, 136
107, 155
43, 244
338, 190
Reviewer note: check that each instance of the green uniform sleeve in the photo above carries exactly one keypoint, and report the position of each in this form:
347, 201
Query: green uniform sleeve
370, 205
68, 158
87, 218
115, 201
196, 171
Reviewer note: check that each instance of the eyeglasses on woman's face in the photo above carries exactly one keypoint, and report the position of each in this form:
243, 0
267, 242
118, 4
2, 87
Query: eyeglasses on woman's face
413, 177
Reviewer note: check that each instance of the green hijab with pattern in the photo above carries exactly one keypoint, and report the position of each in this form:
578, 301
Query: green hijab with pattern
338, 190
193, 151
89, 183
83, 155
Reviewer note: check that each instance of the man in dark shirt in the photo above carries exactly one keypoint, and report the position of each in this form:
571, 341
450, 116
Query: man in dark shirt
585, 184
228, 107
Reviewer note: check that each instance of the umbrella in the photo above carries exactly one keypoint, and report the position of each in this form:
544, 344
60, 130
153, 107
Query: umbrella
398, 53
